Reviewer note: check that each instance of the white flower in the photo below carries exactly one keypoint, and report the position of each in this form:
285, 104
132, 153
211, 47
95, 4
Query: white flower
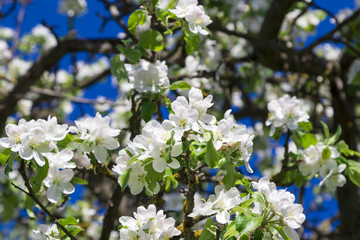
72, 7
287, 112
148, 224
34, 145
5, 53
282, 203
58, 182
198, 20
45, 232
184, 7
61, 159
148, 77
46, 38
98, 136
219, 203
334, 178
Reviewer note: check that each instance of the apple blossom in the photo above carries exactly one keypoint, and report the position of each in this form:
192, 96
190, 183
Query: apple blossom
46, 232
58, 182
286, 112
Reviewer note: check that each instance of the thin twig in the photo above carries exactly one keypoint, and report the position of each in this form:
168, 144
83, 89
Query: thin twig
32, 195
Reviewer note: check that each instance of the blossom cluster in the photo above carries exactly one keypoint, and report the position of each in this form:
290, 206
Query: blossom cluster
37, 140
148, 224
148, 77
278, 208
194, 14
160, 145
97, 136
72, 7
286, 112
282, 204
46, 232
316, 162
220, 204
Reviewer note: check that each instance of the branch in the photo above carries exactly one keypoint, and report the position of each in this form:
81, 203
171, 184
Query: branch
90, 81
56, 94
330, 34
45, 62
32, 195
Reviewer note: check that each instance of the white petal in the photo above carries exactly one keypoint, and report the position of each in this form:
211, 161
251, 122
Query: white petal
53, 194
100, 154
67, 188
66, 175
159, 165
110, 143
291, 233
174, 164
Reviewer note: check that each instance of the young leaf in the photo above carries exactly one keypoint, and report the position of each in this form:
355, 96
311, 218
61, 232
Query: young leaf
211, 155
138, 17
192, 41
209, 230
336, 136
68, 221
326, 130
180, 85
118, 68
246, 224
353, 171
124, 179
133, 55
147, 110
152, 40
308, 139
231, 176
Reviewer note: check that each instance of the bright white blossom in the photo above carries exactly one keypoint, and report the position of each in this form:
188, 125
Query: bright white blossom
148, 224
286, 112
58, 182
72, 7
97, 136
184, 7
46, 232
34, 139
221, 203
282, 203
148, 77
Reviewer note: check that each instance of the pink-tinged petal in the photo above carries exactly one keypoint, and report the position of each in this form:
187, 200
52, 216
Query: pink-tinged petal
53, 194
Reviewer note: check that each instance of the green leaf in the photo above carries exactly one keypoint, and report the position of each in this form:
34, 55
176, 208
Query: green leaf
68, 221
124, 179
260, 198
353, 171
209, 230
74, 229
306, 126
231, 176
326, 153
152, 40
118, 68
76, 180
29, 205
308, 139
192, 41
138, 17
37, 179
247, 224
179, 85
148, 108
170, 179
336, 136
133, 55
152, 176
231, 231
326, 130
244, 237
4, 156
10, 162
211, 155
258, 235
282, 233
